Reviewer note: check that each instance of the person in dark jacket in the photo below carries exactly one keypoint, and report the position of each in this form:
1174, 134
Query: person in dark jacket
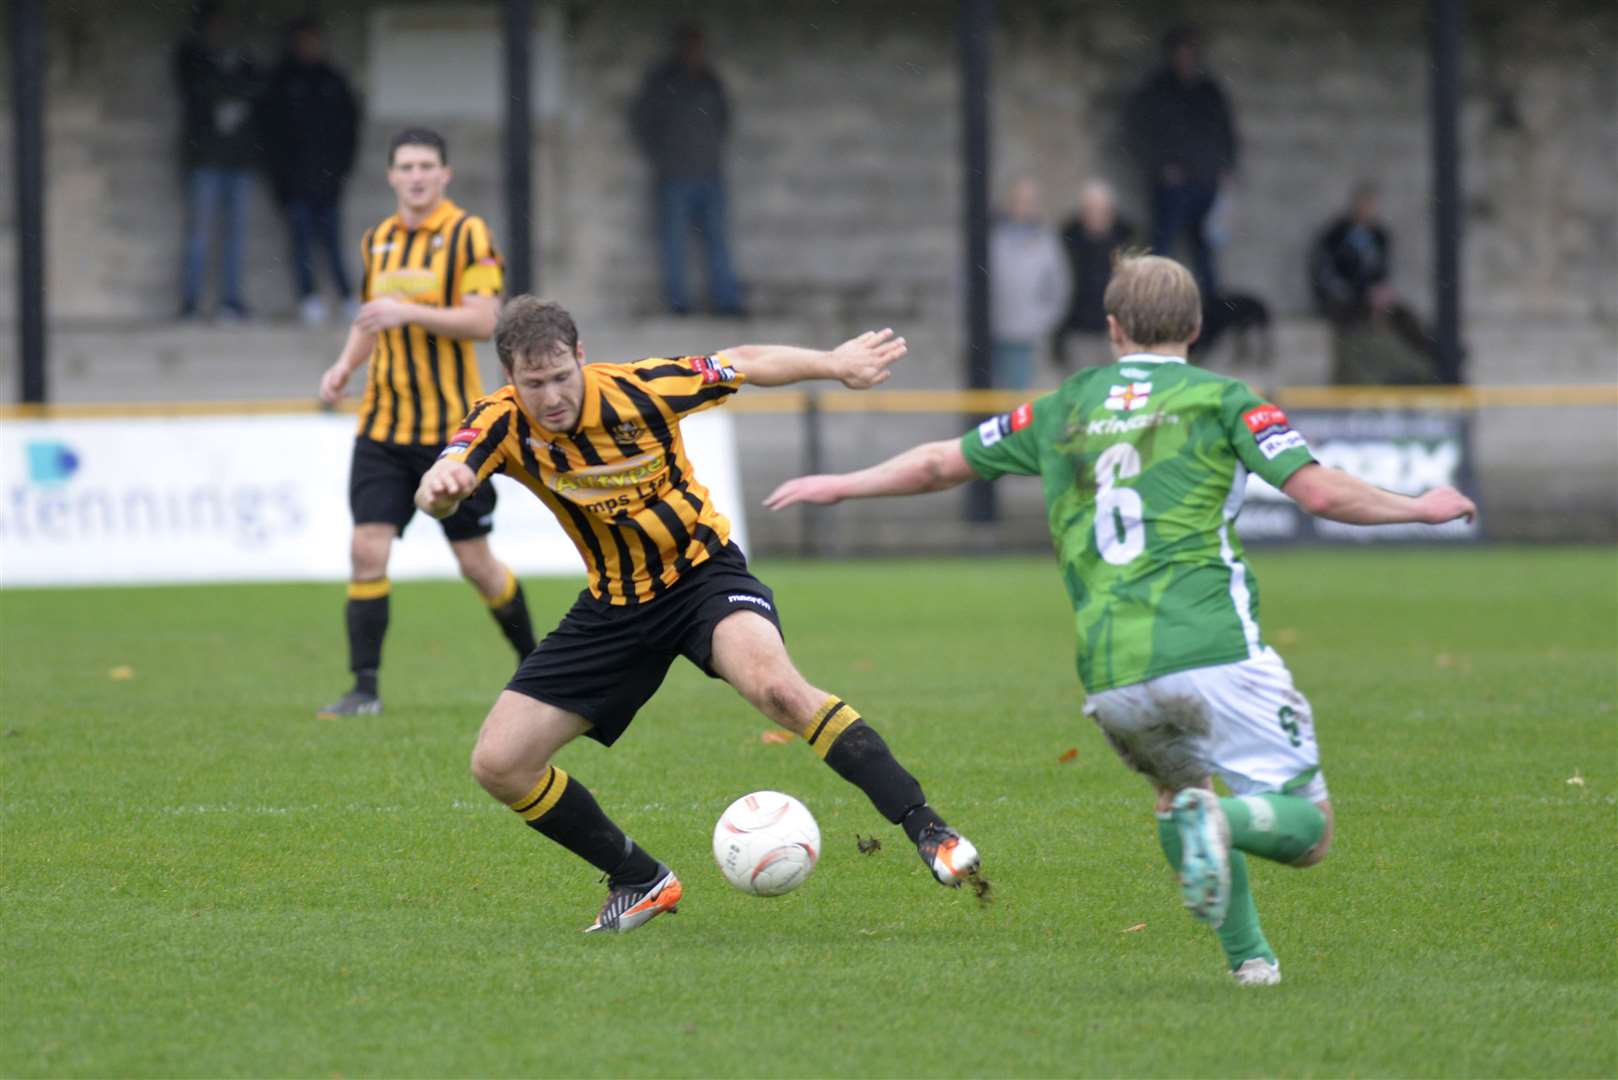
680, 120
311, 125
1091, 239
1349, 270
217, 84
1180, 128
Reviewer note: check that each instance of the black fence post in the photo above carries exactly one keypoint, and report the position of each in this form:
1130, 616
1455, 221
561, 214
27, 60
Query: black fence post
1446, 18
518, 136
28, 166
976, 41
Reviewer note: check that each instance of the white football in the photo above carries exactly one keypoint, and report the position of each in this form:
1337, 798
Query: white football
766, 843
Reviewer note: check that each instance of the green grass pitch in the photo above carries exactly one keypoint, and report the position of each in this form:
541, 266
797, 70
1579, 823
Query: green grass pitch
200, 879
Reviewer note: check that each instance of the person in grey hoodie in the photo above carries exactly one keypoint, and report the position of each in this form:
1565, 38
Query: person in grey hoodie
1029, 285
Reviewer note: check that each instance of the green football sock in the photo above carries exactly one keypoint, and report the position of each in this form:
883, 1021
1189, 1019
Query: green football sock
1276, 827
1240, 935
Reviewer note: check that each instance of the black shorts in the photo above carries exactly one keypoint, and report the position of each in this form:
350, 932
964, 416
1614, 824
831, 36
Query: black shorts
605, 661
382, 488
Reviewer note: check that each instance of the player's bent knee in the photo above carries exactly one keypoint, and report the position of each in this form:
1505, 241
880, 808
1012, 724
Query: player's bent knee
1314, 856
1317, 854
501, 771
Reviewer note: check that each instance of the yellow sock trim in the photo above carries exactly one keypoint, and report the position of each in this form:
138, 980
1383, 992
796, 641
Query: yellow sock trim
508, 591
546, 794
369, 590
831, 720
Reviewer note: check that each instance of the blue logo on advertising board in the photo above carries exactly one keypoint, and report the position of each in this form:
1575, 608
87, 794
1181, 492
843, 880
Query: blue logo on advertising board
51, 464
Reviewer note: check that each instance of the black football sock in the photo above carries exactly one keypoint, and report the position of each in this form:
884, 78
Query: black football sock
510, 611
563, 810
858, 754
367, 619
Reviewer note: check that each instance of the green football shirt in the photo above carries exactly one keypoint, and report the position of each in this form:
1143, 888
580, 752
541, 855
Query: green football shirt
1144, 464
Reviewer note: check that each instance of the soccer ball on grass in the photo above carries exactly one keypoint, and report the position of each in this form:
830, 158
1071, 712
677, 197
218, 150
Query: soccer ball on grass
766, 843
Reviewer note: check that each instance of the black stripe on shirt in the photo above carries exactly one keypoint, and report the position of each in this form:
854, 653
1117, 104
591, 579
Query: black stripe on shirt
654, 561
626, 567
582, 524
495, 436
452, 265
409, 352
665, 371
684, 403
586, 448
681, 539
652, 417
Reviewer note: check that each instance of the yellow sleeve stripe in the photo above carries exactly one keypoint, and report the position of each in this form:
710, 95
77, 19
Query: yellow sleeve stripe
546, 794
830, 721
369, 590
482, 277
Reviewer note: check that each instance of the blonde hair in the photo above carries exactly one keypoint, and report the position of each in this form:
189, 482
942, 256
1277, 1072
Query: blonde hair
1154, 299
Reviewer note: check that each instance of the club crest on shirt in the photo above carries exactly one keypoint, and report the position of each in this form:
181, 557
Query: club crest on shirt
1130, 397
628, 431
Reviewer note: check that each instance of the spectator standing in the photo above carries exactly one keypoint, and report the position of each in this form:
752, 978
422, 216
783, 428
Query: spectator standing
1179, 125
310, 124
1029, 285
1090, 239
1349, 270
217, 84
680, 120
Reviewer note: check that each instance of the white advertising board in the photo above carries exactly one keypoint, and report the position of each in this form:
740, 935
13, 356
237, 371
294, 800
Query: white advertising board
248, 498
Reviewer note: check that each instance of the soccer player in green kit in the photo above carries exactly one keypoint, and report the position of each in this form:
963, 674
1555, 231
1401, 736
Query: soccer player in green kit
1144, 464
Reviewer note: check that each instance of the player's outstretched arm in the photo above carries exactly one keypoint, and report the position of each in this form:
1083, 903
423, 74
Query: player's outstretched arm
858, 363
934, 466
1339, 496
444, 487
356, 351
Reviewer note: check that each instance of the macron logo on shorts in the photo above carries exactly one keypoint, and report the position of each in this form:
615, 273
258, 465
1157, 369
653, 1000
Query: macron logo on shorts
743, 598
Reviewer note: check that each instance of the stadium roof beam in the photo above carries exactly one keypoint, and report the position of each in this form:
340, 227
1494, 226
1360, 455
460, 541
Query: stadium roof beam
1445, 18
976, 32
518, 143
28, 166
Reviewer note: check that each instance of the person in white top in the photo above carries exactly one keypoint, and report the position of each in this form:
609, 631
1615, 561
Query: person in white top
1029, 285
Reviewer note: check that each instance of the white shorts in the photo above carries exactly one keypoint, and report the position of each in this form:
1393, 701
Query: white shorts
1244, 721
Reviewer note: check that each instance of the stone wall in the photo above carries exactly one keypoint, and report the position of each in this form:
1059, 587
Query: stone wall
844, 166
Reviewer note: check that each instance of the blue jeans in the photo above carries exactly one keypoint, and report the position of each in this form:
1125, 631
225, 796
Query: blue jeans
1182, 210
1013, 365
700, 204
212, 192
317, 225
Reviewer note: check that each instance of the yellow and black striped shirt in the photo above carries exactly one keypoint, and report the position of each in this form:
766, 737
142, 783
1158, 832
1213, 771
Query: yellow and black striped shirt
419, 384
620, 482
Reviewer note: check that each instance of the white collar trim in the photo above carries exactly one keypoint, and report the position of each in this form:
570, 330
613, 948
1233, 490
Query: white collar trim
1150, 358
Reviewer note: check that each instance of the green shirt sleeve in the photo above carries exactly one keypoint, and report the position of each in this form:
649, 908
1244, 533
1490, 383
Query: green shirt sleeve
1262, 438
1007, 443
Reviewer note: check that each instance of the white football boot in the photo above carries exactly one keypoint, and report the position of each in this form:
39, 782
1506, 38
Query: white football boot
1258, 972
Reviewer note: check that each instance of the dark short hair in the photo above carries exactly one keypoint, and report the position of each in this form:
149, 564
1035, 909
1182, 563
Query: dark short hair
530, 328
417, 136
